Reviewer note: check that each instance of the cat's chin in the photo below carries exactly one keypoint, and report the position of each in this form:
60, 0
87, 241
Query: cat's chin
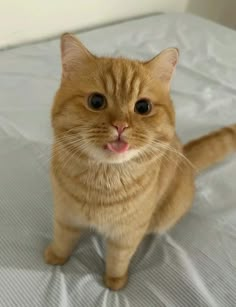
110, 157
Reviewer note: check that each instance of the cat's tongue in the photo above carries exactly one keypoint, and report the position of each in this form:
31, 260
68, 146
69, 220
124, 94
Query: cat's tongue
118, 146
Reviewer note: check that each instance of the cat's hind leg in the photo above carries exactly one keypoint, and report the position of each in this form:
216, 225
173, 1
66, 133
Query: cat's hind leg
176, 203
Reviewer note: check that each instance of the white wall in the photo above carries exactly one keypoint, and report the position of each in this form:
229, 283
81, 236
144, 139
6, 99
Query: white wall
27, 20
221, 11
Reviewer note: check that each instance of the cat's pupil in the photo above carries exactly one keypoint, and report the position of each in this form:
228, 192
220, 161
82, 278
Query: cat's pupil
142, 106
97, 101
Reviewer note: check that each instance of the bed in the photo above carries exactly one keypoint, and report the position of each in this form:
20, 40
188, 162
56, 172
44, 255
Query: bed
194, 264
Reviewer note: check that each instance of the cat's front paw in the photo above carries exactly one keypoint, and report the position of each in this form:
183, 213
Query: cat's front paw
50, 257
115, 283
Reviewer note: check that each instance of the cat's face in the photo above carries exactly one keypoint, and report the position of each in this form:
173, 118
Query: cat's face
112, 110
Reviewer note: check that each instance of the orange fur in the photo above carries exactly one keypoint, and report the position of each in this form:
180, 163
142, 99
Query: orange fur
124, 196
211, 148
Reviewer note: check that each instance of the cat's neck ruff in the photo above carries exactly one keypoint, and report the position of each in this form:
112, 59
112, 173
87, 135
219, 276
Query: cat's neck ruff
79, 167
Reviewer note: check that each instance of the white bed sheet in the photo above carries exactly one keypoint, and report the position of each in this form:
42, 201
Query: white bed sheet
192, 265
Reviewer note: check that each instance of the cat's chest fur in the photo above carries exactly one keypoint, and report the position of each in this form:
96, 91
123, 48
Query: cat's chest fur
103, 196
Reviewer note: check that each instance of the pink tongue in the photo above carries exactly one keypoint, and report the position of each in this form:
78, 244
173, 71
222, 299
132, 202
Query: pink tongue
118, 146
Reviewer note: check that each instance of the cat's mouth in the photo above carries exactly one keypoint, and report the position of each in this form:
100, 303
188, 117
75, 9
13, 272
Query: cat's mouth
117, 146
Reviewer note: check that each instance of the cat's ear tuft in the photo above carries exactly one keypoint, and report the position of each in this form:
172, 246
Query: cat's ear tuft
163, 65
73, 53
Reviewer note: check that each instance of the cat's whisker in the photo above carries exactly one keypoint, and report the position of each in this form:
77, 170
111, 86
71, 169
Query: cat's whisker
72, 152
63, 147
173, 150
57, 145
56, 140
66, 148
162, 149
69, 158
165, 157
172, 160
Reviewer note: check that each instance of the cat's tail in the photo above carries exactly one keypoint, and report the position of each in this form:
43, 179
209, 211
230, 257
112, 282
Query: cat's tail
211, 148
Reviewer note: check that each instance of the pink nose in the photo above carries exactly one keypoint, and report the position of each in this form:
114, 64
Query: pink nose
120, 127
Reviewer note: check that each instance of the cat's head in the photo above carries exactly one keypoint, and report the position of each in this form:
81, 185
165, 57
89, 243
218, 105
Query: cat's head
113, 109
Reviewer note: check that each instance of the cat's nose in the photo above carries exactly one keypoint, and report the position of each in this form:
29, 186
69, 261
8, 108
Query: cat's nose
120, 126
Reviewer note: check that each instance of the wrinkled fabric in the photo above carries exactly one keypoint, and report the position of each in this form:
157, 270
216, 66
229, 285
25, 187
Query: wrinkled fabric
194, 264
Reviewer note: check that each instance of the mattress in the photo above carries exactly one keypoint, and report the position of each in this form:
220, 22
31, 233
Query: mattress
194, 264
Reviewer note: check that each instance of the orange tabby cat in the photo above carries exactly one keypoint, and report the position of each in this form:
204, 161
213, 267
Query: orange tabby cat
117, 164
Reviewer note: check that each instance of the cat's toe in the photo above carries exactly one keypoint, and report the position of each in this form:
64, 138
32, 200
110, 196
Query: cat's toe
50, 257
115, 283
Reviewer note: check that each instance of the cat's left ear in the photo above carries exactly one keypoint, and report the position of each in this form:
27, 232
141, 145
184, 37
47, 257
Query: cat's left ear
74, 55
163, 65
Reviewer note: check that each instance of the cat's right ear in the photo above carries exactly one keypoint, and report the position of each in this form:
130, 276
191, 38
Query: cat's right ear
73, 54
163, 65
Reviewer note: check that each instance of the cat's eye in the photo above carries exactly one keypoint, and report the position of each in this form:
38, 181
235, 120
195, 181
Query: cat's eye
143, 107
97, 101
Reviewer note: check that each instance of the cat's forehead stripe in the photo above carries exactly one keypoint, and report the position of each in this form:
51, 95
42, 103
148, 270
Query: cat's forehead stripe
122, 81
